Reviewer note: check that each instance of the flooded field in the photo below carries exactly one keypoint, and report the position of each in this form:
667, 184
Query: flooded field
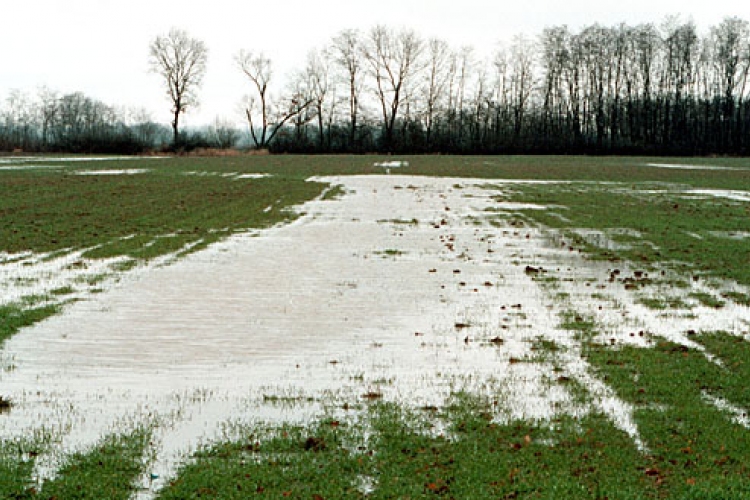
405, 289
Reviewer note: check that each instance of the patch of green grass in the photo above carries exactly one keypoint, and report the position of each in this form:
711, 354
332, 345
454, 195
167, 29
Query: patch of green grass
46, 211
389, 252
107, 471
664, 219
405, 222
734, 352
333, 193
16, 465
696, 451
13, 318
737, 297
63, 290
584, 326
663, 303
395, 453
293, 462
707, 299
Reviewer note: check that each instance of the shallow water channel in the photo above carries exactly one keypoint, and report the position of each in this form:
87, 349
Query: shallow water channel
399, 290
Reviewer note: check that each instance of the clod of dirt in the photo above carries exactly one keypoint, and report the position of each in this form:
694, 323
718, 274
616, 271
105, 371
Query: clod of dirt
5, 405
315, 444
530, 270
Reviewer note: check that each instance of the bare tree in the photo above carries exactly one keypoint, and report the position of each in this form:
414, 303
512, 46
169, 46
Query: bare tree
393, 60
47, 112
555, 57
181, 61
461, 66
347, 55
522, 54
223, 133
273, 115
436, 81
318, 88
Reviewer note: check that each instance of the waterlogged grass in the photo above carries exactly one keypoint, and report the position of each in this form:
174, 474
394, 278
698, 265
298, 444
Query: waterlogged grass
667, 228
393, 453
109, 470
287, 462
707, 299
663, 303
15, 317
695, 449
141, 215
165, 210
16, 464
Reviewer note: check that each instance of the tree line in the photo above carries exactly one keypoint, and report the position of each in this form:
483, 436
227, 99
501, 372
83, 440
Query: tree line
643, 89
48, 121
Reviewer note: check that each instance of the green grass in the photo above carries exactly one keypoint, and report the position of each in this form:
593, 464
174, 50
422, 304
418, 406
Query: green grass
663, 303
140, 216
667, 223
13, 318
389, 252
50, 211
695, 450
393, 453
109, 470
16, 464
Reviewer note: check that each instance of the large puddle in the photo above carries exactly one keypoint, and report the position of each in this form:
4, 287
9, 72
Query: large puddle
400, 290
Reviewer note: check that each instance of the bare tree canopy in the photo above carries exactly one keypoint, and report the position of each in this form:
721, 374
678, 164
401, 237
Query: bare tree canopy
181, 61
652, 88
266, 115
393, 60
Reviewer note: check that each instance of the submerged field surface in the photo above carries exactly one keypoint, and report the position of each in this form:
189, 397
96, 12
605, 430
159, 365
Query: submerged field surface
356, 327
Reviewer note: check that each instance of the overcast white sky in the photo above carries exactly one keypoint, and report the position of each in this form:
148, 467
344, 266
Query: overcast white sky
100, 47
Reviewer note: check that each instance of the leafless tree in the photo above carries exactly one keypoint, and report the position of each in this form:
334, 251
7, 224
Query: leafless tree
436, 81
273, 115
47, 112
460, 68
223, 133
319, 89
181, 61
730, 43
346, 50
393, 60
555, 57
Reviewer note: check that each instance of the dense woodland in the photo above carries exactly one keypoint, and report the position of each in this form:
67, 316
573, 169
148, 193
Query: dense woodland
647, 89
